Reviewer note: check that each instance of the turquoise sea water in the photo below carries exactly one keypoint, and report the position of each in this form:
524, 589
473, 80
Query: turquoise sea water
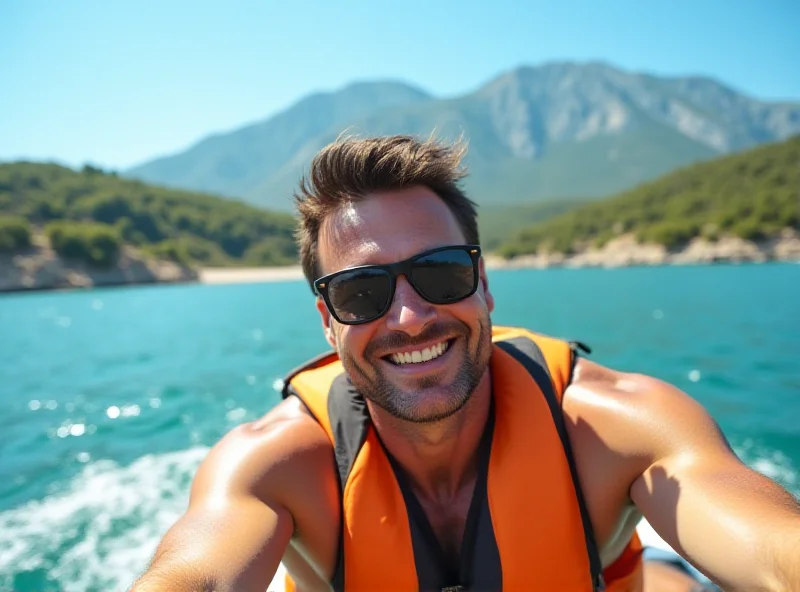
109, 399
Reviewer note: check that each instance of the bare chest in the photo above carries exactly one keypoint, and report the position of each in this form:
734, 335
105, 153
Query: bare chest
447, 520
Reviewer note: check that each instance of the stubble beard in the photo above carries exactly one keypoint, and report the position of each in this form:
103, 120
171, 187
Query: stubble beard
410, 404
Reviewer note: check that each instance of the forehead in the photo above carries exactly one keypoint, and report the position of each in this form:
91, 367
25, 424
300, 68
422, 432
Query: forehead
386, 227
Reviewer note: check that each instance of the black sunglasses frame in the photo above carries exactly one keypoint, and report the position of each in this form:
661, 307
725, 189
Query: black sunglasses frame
396, 269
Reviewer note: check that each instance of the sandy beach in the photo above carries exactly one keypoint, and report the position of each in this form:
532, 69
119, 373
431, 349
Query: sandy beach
249, 275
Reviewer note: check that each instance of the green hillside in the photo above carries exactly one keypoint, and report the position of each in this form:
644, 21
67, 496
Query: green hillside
753, 195
497, 223
89, 214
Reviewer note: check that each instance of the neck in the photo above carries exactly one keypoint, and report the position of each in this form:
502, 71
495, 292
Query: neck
440, 457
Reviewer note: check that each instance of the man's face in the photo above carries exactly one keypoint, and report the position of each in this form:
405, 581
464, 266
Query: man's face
385, 228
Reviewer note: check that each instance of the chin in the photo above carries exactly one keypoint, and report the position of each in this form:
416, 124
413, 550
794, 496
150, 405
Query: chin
427, 405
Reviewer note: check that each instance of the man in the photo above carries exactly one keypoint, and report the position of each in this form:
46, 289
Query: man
433, 451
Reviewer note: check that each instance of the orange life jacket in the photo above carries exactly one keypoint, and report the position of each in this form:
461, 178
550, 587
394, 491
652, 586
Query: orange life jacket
530, 530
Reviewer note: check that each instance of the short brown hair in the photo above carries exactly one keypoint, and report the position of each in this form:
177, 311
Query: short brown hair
350, 168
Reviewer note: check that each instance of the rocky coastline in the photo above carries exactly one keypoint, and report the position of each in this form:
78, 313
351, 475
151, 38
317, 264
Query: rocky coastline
41, 268
625, 251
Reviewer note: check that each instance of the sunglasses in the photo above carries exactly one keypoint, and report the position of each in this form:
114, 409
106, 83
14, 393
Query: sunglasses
362, 294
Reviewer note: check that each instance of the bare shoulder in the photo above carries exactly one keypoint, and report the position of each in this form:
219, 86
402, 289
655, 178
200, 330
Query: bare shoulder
629, 423
639, 414
639, 411
268, 458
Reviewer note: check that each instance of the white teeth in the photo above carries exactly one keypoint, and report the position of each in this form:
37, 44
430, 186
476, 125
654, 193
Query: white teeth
415, 357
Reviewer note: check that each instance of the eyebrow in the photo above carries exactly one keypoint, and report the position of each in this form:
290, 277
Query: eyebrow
368, 253
370, 261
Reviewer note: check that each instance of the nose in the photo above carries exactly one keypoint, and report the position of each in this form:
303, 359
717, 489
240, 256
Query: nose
409, 312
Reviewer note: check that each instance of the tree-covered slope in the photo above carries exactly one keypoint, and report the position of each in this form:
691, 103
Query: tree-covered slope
187, 227
754, 195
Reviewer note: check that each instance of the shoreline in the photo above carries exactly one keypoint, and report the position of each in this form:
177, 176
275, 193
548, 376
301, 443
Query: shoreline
39, 268
42, 270
264, 275
623, 251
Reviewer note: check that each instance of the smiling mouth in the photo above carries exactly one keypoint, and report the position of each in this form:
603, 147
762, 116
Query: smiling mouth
419, 356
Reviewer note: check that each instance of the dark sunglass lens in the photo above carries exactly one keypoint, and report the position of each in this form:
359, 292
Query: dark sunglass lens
359, 295
444, 276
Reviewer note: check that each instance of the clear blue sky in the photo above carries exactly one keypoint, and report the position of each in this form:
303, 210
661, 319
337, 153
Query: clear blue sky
118, 82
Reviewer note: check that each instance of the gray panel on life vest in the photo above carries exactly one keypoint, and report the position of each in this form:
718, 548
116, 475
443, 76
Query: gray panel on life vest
347, 412
487, 571
429, 573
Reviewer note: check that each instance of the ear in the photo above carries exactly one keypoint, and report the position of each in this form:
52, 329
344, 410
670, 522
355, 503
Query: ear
484, 280
327, 321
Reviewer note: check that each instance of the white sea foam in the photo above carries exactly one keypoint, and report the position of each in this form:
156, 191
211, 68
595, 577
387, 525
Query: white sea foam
237, 414
772, 463
101, 533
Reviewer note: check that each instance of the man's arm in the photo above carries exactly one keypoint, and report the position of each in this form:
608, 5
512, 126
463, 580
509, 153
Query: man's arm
737, 526
235, 544
239, 521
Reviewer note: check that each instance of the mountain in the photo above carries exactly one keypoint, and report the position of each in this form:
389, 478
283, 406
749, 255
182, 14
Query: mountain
535, 133
232, 164
753, 195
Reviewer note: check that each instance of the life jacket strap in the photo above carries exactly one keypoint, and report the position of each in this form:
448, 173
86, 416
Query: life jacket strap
527, 353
